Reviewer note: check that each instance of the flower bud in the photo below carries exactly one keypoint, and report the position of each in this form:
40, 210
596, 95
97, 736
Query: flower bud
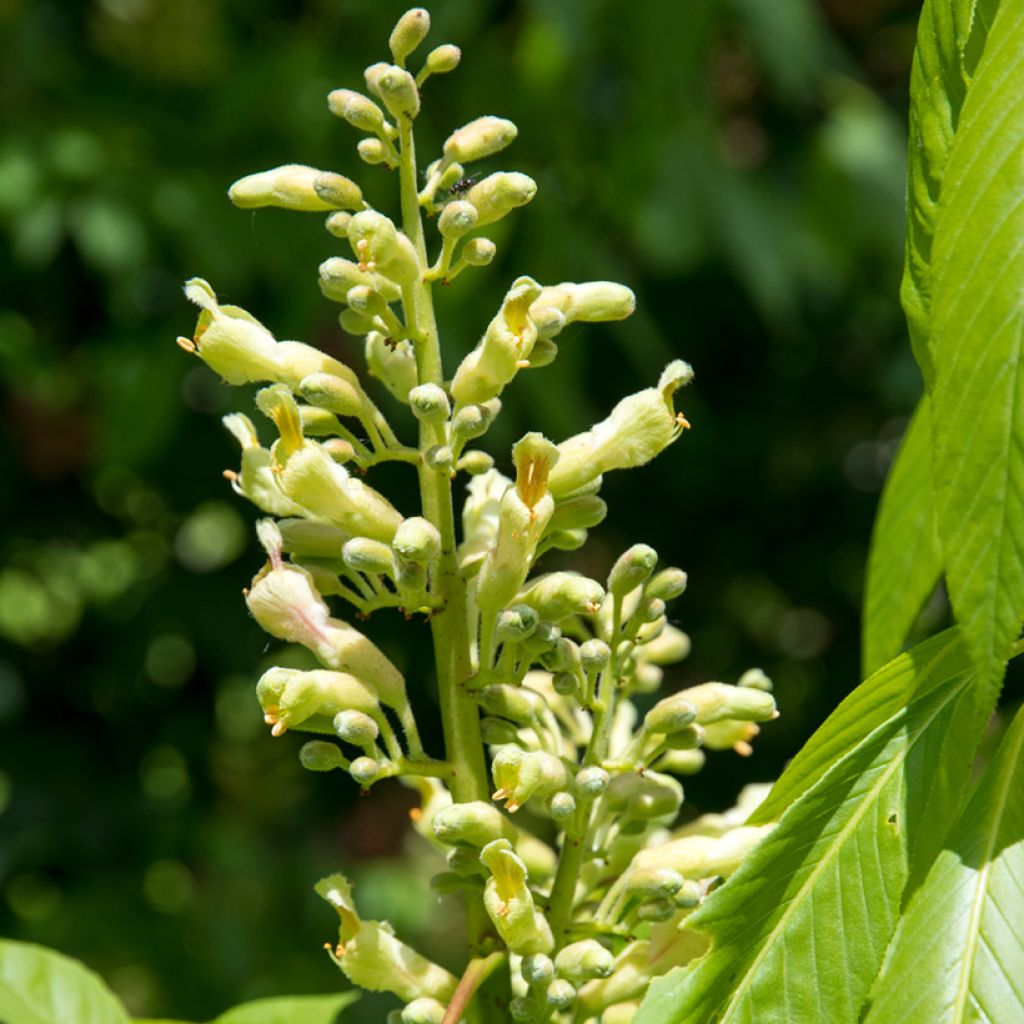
689, 737
393, 365
584, 513
634, 796
417, 540
310, 538
557, 595
475, 462
591, 782
332, 393
478, 252
716, 702
594, 656
472, 421
524, 513
522, 1010
293, 699
544, 638
321, 756
429, 403
374, 959
521, 775
465, 862
340, 192
639, 427
561, 806
656, 910
500, 193
565, 684
689, 895
564, 656
257, 480
584, 960
397, 88
356, 728
591, 302
516, 624
409, 31
509, 902
379, 246
697, 856
496, 731
755, 679
560, 994
472, 824
651, 611
543, 353
670, 646
666, 585
538, 969
443, 59
365, 555
355, 108
479, 139
671, 714
423, 1011
519, 703
372, 76
339, 276
291, 187
681, 762
365, 771
631, 570
457, 219
337, 223
653, 882
507, 341
439, 458
371, 151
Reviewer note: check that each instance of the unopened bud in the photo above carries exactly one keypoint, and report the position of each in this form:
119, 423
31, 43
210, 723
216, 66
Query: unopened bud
557, 595
538, 969
560, 994
564, 656
636, 796
478, 252
543, 353
583, 513
337, 223
472, 824
410, 30
457, 219
439, 458
332, 393
671, 714
594, 655
631, 570
393, 365
591, 302
649, 612
561, 805
365, 771
519, 703
380, 246
656, 910
716, 702
417, 540
355, 323
544, 637
307, 537
366, 555
591, 782
516, 624
756, 680
521, 775
397, 88
356, 728
291, 187
443, 59
355, 108
321, 756
340, 192
472, 421
671, 645
366, 301
500, 193
479, 139
681, 762
497, 731
429, 403
666, 585
565, 684
522, 1010
371, 151
475, 462
654, 882
423, 1011
583, 961
339, 276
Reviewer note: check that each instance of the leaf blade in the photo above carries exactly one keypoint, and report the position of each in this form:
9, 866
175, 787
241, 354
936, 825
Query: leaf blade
905, 561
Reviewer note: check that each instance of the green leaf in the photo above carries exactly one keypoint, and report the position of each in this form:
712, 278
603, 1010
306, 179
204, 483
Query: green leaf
800, 931
906, 561
977, 328
39, 986
963, 937
281, 1010
874, 703
950, 39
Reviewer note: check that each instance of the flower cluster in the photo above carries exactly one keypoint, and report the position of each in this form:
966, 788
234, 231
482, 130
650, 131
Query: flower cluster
584, 897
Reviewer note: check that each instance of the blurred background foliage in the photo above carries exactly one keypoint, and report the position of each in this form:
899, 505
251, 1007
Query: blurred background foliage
739, 163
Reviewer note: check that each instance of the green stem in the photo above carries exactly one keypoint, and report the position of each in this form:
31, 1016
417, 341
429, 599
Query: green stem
459, 715
476, 973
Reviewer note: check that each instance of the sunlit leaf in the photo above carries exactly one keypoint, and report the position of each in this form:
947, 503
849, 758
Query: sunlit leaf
281, 1010
963, 936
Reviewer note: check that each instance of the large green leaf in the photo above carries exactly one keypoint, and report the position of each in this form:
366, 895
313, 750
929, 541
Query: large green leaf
39, 986
977, 329
799, 932
873, 704
906, 561
282, 1010
950, 39
962, 940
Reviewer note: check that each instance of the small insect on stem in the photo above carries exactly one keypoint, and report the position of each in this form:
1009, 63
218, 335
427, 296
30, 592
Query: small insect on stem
462, 186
